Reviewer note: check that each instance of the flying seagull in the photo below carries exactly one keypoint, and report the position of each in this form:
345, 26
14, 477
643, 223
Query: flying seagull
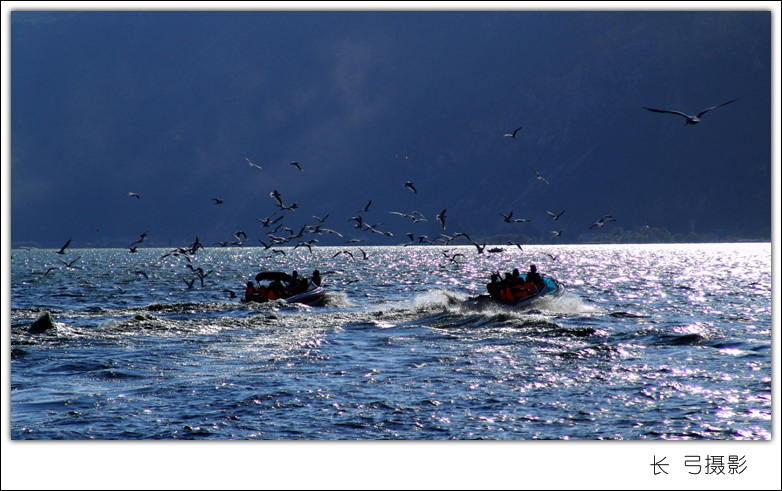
277, 197
515, 220
513, 135
254, 165
134, 194
541, 177
410, 186
62, 249
691, 119
366, 208
296, 164
602, 221
69, 264
218, 201
441, 218
555, 217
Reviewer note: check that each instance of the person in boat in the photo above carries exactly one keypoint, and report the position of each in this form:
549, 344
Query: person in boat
534, 277
277, 290
524, 290
519, 288
506, 284
316, 279
250, 293
270, 295
263, 293
298, 284
493, 286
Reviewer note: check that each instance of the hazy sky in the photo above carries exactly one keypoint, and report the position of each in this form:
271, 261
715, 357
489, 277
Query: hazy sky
170, 105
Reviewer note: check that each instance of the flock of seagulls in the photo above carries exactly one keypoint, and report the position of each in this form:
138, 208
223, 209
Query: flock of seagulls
280, 236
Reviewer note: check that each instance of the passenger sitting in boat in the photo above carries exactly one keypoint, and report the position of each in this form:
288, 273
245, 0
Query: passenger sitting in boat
263, 293
523, 289
277, 290
294, 285
270, 295
535, 277
505, 288
250, 293
316, 279
493, 287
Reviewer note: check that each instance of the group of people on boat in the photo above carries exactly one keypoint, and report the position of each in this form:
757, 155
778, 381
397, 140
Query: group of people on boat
514, 287
276, 289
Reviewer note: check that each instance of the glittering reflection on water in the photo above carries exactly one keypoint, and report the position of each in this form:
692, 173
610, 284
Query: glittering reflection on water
649, 342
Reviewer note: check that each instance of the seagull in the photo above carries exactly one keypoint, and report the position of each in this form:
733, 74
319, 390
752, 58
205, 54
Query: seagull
602, 221
69, 264
296, 164
513, 135
366, 208
62, 249
441, 218
134, 194
142, 273
541, 177
276, 195
292, 207
410, 186
329, 231
555, 217
254, 165
557, 233
218, 201
691, 119
507, 218
321, 220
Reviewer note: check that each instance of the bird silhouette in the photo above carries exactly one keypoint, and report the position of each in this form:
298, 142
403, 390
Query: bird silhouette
409, 185
555, 217
277, 197
69, 264
218, 201
513, 135
62, 249
541, 177
253, 165
134, 194
296, 164
441, 218
602, 221
515, 220
366, 208
688, 119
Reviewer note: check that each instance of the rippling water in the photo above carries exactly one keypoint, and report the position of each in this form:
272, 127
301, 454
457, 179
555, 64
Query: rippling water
652, 342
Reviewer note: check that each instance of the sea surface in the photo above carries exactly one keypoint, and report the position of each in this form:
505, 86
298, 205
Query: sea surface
649, 342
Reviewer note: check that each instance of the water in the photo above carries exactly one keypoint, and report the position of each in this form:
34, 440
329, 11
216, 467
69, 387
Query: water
650, 342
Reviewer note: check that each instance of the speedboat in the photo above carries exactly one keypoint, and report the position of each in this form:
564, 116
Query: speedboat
312, 295
551, 289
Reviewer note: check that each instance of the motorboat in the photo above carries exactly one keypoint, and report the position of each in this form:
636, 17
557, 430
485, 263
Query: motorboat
312, 295
551, 289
